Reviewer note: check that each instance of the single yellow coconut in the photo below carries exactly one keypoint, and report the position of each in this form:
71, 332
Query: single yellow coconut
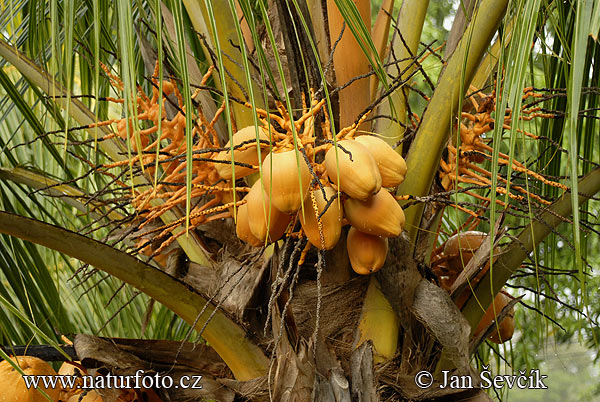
288, 183
247, 153
379, 215
12, 384
392, 166
242, 227
67, 369
331, 220
367, 252
265, 221
359, 177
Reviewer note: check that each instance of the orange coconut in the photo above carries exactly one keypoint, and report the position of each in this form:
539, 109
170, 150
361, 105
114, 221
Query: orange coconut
461, 247
265, 221
379, 215
289, 185
392, 166
331, 220
506, 330
70, 370
506, 327
245, 154
367, 252
359, 177
242, 227
12, 384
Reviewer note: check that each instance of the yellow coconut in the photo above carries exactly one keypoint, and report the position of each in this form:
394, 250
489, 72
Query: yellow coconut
331, 220
289, 185
265, 221
392, 166
359, 177
459, 249
367, 252
69, 369
246, 154
12, 384
91, 396
506, 328
379, 215
242, 227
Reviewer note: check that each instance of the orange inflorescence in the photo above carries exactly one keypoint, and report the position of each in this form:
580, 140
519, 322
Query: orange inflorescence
461, 163
158, 150
166, 150
354, 174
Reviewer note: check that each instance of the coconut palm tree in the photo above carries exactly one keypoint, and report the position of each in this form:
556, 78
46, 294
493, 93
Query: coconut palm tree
120, 137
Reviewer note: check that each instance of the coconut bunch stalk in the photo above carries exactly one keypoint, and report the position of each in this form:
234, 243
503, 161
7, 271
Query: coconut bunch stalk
356, 97
380, 32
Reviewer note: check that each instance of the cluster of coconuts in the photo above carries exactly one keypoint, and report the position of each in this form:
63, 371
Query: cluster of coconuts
362, 169
458, 251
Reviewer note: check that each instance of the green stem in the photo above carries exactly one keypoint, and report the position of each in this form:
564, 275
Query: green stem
381, 324
410, 23
426, 150
228, 41
70, 195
